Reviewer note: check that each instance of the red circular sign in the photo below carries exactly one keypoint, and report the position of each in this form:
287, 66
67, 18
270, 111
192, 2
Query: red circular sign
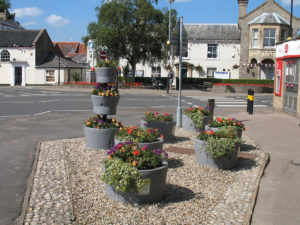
103, 54
286, 48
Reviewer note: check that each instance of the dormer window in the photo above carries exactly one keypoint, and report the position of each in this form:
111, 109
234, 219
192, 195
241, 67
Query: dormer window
269, 37
5, 56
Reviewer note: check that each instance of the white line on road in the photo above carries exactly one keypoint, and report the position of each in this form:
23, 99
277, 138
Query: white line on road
75, 110
41, 113
54, 100
14, 102
260, 106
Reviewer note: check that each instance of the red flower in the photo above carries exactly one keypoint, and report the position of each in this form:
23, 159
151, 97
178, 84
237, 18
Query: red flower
129, 131
156, 113
134, 127
92, 69
136, 152
166, 114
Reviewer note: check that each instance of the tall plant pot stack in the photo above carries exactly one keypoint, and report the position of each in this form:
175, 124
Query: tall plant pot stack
102, 105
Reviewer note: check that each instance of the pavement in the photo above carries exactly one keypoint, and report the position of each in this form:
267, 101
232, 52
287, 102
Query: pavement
278, 199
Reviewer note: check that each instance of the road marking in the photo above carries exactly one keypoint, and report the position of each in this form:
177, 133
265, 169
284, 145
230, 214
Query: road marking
41, 113
54, 100
15, 102
74, 110
260, 106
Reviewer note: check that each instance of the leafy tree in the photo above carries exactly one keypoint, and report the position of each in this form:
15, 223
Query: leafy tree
132, 29
4, 6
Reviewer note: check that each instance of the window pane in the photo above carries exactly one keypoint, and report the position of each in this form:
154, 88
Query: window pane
5, 56
212, 51
269, 37
50, 76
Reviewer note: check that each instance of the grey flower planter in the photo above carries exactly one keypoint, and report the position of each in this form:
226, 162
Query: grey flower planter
229, 161
151, 145
188, 125
165, 128
150, 193
100, 139
105, 75
105, 105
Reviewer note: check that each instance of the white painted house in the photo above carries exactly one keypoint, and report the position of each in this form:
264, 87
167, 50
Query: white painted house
27, 57
215, 47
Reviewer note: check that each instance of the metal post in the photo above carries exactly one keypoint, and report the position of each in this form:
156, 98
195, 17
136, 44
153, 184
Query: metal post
179, 109
210, 108
291, 19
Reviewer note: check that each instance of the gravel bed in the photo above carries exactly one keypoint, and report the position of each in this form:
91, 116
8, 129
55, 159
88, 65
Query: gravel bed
193, 195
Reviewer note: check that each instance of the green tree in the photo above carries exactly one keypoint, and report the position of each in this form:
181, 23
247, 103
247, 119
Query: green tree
132, 29
4, 5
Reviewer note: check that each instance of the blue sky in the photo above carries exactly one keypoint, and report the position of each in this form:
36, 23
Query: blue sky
67, 20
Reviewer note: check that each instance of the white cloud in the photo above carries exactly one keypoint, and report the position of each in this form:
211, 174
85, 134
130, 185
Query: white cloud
288, 2
23, 12
57, 21
29, 23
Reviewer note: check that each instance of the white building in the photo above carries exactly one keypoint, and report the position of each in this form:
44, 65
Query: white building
215, 47
27, 57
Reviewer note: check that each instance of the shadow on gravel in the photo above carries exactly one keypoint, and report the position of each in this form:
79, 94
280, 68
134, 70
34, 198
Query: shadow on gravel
176, 140
174, 193
246, 147
175, 163
245, 164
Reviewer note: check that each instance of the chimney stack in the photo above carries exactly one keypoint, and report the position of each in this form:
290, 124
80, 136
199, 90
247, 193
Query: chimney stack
242, 7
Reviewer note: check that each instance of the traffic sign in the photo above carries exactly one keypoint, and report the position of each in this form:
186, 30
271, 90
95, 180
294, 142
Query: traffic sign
103, 54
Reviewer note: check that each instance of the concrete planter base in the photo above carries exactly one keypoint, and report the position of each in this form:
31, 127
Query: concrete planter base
229, 161
150, 193
105, 105
100, 139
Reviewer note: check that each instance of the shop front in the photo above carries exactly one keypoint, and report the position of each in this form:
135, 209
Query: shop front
286, 83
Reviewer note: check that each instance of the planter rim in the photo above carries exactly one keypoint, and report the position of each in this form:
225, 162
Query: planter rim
164, 165
156, 141
155, 121
100, 96
85, 127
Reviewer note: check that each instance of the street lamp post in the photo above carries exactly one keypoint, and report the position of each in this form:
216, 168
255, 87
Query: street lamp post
291, 19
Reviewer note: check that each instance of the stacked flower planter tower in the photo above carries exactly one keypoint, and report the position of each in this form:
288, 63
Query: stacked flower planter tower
100, 131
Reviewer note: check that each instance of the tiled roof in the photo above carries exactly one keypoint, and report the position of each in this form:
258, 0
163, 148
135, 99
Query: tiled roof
79, 58
52, 60
269, 18
18, 38
82, 49
211, 32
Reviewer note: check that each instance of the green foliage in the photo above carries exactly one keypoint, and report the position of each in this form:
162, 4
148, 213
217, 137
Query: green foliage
111, 63
101, 122
197, 116
137, 134
4, 5
221, 147
76, 76
131, 29
121, 175
220, 143
165, 117
123, 162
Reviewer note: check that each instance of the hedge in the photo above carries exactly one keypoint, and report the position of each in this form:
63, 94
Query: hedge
148, 81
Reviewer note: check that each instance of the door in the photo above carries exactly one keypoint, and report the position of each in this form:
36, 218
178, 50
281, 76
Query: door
291, 86
18, 75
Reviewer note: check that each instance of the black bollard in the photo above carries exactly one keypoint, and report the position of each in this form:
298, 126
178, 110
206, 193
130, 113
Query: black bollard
210, 108
250, 101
